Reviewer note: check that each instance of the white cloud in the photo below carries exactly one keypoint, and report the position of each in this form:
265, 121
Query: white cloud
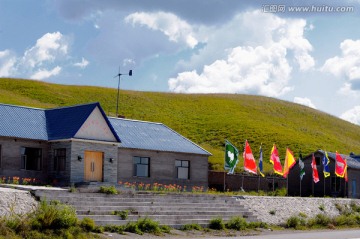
256, 59
128, 61
7, 63
82, 64
42, 74
173, 27
347, 65
352, 115
304, 101
48, 48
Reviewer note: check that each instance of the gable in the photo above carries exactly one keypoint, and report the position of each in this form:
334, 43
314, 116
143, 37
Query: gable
95, 127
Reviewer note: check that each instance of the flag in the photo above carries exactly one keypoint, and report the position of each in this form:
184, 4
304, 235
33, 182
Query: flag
290, 161
231, 157
302, 167
249, 160
326, 162
261, 163
275, 160
315, 172
340, 166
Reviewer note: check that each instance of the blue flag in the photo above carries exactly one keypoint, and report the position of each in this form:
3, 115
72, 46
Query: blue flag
325, 162
261, 162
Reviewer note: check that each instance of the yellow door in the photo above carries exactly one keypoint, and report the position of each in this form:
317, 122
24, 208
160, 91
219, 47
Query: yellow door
93, 167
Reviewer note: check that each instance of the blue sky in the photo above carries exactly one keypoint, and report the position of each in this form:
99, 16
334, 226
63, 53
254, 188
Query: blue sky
307, 52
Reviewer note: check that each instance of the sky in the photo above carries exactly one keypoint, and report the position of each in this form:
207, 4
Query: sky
307, 52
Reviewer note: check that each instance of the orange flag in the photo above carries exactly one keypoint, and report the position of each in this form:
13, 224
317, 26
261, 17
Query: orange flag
340, 166
275, 160
249, 160
315, 172
289, 162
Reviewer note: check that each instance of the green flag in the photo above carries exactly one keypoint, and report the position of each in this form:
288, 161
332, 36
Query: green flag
231, 157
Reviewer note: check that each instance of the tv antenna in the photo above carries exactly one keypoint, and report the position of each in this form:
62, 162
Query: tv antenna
118, 90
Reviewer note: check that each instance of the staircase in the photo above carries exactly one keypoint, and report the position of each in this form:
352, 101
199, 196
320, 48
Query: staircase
172, 209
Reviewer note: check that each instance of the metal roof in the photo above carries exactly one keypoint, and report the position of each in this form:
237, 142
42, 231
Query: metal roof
352, 162
22, 122
153, 136
64, 123
49, 124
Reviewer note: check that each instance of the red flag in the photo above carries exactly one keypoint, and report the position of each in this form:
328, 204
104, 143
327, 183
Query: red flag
275, 160
315, 172
290, 161
340, 166
249, 160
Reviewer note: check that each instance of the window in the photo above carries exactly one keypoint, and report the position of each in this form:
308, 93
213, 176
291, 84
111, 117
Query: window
335, 184
59, 159
141, 166
318, 161
182, 169
31, 158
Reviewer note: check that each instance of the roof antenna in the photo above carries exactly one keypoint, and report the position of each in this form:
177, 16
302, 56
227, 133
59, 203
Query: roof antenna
118, 91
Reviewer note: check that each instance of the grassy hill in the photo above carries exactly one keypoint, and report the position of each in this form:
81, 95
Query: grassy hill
207, 119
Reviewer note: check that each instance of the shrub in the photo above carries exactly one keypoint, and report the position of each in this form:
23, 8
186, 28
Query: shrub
319, 220
189, 227
295, 222
354, 207
87, 224
217, 224
149, 226
302, 214
322, 207
122, 214
133, 227
345, 220
115, 228
253, 225
237, 223
108, 190
53, 216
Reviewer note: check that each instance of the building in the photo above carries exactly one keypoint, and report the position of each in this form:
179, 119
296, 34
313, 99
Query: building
332, 186
80, 144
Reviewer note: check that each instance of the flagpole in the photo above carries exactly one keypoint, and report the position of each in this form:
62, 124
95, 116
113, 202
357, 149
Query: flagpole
300, 187
287, 186
324, 184
224, 179
259, 185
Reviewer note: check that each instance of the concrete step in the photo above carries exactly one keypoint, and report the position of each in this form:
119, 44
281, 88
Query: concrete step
162, 211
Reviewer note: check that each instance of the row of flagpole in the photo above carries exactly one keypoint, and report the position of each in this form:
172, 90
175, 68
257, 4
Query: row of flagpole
232, 159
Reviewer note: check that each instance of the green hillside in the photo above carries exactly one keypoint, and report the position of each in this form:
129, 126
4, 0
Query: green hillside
207, 119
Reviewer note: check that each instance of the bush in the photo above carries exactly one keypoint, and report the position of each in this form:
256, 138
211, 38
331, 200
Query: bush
53, 216
319, 220
295, 222
108, 190
149, 226
133, 227
189, 227
217, 224
114, 228
122, 214
87, 224
345, 220
237, 223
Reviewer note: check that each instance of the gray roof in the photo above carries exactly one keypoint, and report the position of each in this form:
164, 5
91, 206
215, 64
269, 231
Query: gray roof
153, 136
352, 162
22, 122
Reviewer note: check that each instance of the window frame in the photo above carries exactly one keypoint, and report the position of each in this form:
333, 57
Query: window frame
135, 168
57, 159
181, 166
24, 158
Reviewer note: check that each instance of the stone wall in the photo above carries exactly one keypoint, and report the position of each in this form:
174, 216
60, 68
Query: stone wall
276, 210
16, 201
